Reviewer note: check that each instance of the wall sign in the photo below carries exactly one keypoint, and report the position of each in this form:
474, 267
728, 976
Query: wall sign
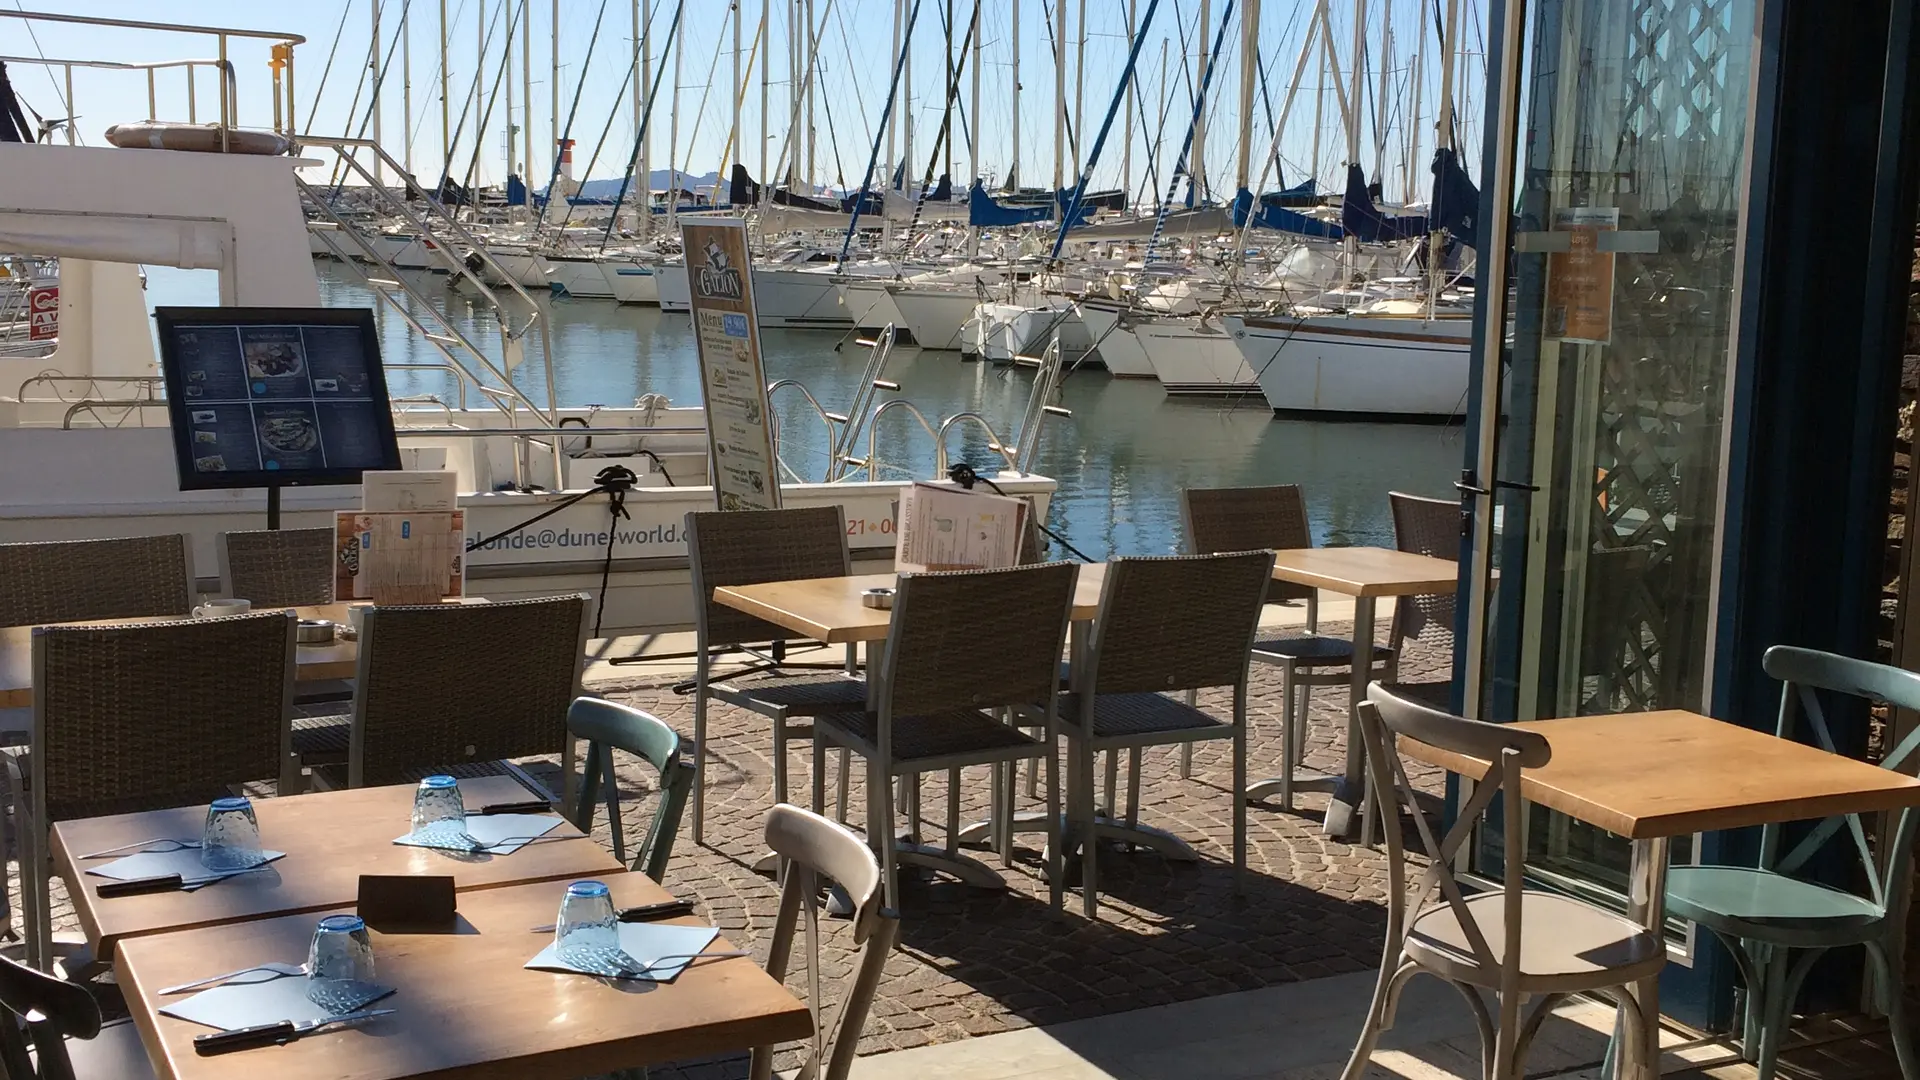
733, 381
1580, 278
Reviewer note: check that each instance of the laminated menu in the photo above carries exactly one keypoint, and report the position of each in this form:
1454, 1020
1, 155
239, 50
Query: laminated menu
951, 528
399, 557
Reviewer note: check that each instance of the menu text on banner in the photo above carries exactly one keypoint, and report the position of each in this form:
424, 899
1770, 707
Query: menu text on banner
733, 381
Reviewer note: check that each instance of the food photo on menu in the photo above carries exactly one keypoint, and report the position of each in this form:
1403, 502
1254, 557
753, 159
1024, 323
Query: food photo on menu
276, 360
289, 436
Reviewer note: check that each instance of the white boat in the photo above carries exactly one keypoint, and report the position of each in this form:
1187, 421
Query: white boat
527, 268
1389, 360
871, 306
1111, 332
1003, 332
935, 313
1194, 355
795, 293
632, 280
578, 276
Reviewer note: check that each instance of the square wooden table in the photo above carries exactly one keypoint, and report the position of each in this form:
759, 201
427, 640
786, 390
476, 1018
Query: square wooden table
829, 609
330, 838
1366, 574
1653, 776
314, 663
465, 1005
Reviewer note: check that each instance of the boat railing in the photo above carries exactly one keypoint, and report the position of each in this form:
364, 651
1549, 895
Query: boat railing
281, 64
128, 407
460, 380
880, 350
872, 461
93, 387
826, 419
994, 442
1042, 402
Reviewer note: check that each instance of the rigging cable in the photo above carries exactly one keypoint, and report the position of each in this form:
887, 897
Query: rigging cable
566, 133
314, 105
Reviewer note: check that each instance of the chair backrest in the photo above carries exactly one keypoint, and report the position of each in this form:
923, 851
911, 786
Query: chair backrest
748, 547
1175, 622
1425, 526
1248, 519
609, 726
152, 715
76, 580
974, 639
277, 567
51, 1010
1386, 718
447, 684
1803, 674
810, 848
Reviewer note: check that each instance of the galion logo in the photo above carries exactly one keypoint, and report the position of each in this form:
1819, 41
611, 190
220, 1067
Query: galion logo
719, 279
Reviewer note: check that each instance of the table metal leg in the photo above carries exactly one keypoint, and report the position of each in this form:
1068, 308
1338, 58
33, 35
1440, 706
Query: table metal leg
1637, 1053
1343, 822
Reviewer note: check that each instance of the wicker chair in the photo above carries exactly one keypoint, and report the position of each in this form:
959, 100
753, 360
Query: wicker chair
277, 568
959, 643
810, 848
1248, 519
1424, 527
76, 580
748, 547
1166, 624
55, 1033
148, 716
456, 687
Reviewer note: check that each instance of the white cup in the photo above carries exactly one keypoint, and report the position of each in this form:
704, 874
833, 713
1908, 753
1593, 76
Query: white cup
213, 609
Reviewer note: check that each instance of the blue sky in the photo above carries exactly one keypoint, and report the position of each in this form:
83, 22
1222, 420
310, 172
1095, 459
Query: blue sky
854, 66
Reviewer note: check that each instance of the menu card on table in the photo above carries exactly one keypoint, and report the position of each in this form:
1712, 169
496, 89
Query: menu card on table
951, 528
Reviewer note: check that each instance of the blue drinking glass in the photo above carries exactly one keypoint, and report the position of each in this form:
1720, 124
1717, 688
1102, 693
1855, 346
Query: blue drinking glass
439, 808
231, 840
587, 931
340, 965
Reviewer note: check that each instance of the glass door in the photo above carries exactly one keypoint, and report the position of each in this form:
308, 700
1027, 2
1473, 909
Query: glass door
1610, 305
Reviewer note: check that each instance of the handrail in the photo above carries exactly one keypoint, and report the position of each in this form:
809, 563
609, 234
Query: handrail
225, 68
136, 24
994, 442
459, 376
833, 434
873, 430
147, 381
89, 404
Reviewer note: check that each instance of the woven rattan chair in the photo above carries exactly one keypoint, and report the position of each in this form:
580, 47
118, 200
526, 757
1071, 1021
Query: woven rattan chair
748, 547
147, 716
608, 726
76, 580
1248, 519
456, 687
1513, 941
1166, 625
959, 643
54, 1032
277, 567
1431, 527
810, 848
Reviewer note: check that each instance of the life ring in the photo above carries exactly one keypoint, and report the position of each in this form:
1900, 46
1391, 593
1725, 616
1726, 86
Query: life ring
199, 138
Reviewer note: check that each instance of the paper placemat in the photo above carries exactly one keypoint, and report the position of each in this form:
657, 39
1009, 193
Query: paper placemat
647, 943
269, 1000
496, 834
184, 861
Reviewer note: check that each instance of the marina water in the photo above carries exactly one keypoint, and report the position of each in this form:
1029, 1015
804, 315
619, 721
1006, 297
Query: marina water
1121, 461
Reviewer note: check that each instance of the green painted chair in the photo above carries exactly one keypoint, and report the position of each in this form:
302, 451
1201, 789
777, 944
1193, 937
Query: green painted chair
608, 726
1765, 915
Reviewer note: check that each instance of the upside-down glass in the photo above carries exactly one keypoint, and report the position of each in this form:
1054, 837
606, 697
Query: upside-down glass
438, 800
587, 924
231, 840
340, 965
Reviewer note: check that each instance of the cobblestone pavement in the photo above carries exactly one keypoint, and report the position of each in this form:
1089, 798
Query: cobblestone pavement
973, 962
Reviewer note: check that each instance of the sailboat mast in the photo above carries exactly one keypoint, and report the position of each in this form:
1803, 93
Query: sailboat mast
1013, 170
738, 91
479, 65
506, 72
1413, 125
406, 93
526, 95
679, 47
643, 40
1197, 158
947, 122
1059, 100
373, 76
906, 105
813, 171
1353, 113
766, 74
1442, 140
1126, 148
553, 84
893, 121
1380, 123
446, 105
1079, 84
979, 53
1249, 67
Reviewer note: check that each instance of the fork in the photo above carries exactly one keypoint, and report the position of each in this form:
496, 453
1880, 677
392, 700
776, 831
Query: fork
275, 969
636, 970
143, 846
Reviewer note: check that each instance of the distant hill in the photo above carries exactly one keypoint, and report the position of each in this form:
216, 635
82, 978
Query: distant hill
661, 180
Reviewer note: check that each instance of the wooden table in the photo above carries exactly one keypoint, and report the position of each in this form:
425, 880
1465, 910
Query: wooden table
1653, 776
829, 609
315, 663
465, 1004
330, 838
1366, 574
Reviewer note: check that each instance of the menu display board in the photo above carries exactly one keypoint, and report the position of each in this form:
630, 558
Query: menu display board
733, 381
264, 397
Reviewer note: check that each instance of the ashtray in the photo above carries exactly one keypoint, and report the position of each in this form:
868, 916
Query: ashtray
877, 598
314, 632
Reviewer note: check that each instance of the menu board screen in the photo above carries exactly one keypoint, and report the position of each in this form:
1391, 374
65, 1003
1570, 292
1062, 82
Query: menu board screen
275, 396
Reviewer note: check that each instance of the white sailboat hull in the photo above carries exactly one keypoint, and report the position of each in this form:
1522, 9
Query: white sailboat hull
1359, 365
1194, 356
787, 298
1115, 344
632, 282
935, 317
578, 277
870, 306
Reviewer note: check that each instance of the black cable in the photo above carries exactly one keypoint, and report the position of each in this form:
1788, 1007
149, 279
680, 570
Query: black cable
616, 481
964, 475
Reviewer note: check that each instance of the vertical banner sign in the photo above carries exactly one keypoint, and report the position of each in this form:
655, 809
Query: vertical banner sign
43, 312
1580, 278
733, 381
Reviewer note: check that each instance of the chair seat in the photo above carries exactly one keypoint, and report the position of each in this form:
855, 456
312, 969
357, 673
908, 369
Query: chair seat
1746, 902
1143, 718
1315, 651
322, 740
114, 1054
958, 737
795, 695
1565, 945
1434, 695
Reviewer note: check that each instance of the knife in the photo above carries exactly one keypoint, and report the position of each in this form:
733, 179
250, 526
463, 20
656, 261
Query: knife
137, 886
665, 909
280, 1034
529, 806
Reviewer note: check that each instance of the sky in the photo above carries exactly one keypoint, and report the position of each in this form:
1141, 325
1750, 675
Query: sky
853, 67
